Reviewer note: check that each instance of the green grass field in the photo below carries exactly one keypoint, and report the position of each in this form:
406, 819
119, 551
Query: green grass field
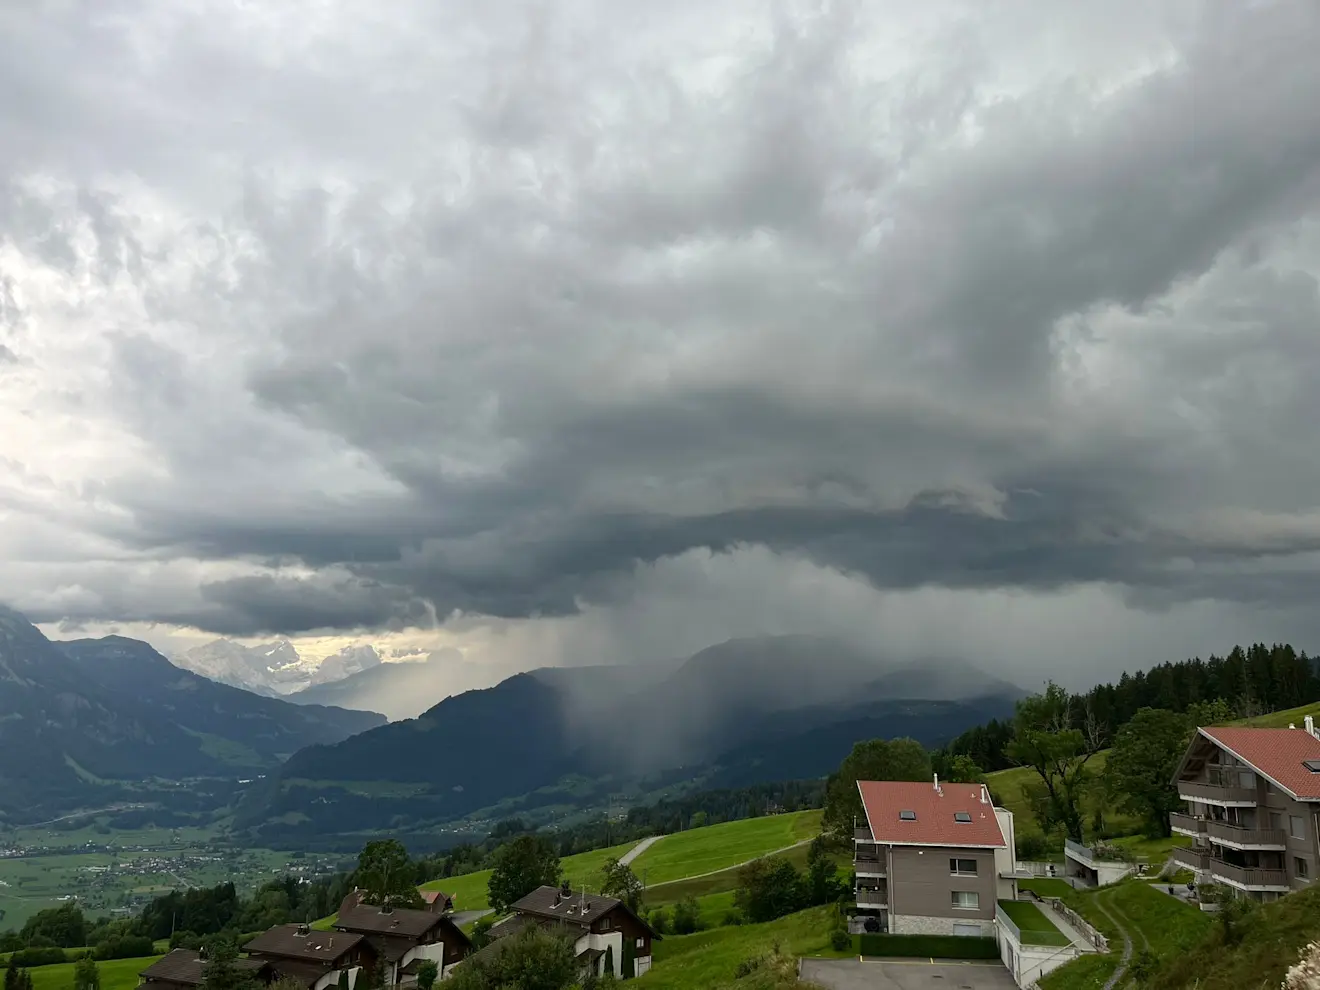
707, 960
470, 891
1046, 886
1091, 972
718, 847
1036, 929
117, 974
1280, 720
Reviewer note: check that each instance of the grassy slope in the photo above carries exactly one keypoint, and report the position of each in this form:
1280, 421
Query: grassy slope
1271, 941
117, 974
707, 960
717, 847
1164, 924
1036, 929
470, 893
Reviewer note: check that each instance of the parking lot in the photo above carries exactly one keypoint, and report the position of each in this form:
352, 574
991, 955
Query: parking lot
850, 974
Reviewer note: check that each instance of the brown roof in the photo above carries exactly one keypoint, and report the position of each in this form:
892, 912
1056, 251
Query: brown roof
576, 909
935, 823
437, 896
306, 973
185, 966
1276, 753
404, 922
390, 949
301, 942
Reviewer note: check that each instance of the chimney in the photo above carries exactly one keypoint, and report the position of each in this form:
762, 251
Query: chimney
937, 784
1309, 722
985, 795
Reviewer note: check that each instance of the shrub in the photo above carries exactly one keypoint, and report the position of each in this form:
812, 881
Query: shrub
840, 939
44, 956
125, 947
732, 917
687, 916
1031, 847
747, 967
929, 946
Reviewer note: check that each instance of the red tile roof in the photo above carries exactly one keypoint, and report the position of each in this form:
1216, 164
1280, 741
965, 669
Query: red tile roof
935, 824
1276, 753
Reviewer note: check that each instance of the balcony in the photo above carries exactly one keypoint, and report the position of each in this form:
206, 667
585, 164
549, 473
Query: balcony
872, 898
862, 835
1192, 858
868, 865
1241, 837
1249, 877
1187, 824
1210, 793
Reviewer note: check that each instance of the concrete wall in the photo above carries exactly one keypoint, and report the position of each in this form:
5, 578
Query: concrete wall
921, 884
603, 941
1028, 963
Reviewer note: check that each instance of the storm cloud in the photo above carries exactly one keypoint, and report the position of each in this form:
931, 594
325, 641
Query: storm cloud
314, 319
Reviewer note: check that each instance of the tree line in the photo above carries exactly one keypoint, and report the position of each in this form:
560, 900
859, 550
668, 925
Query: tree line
1250, 681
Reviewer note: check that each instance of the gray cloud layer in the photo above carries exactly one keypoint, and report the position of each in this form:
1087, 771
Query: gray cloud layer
316, 319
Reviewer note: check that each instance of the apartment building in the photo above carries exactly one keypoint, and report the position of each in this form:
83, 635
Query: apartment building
1252, 805
933, 858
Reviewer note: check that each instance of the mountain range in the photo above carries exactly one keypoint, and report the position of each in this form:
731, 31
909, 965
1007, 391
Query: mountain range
91, 717
272, 669
742, 712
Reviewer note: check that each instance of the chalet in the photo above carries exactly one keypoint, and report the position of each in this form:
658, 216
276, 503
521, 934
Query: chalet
1252, 808
438, 901
403, 937
319, 960
607, 935
181, 969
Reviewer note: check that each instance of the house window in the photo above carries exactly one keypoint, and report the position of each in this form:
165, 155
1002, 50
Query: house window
973, 931
1246, 779
1301, 867
966, 866
907, 816
1297, 826
641, 943
966, 900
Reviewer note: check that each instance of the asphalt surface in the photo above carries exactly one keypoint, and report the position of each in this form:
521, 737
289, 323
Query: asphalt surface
850, 974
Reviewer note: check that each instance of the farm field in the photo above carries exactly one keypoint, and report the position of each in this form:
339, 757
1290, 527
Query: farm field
718, 847
709, 959
116, 974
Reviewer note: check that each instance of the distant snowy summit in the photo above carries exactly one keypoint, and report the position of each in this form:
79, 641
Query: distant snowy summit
273, 669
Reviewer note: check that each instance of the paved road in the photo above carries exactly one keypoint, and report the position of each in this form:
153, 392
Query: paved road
638, 849
850, 974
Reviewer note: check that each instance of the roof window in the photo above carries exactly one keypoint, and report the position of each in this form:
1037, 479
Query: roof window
962, 816
907, 816
1312, 765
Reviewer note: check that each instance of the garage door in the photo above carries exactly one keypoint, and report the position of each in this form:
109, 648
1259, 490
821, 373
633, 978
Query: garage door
972, 930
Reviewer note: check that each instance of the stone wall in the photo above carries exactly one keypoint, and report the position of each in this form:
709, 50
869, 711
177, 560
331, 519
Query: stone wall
913, 924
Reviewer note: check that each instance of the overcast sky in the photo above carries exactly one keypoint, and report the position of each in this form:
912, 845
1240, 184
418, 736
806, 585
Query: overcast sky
604, 330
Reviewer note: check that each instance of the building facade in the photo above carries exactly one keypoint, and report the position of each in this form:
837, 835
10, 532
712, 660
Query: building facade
932, 858
1252, 808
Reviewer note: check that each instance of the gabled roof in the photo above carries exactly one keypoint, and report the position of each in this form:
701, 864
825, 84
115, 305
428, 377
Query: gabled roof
185, 966
573, 908
437, 897
1277, 754
300, 942
934, 823
402, 922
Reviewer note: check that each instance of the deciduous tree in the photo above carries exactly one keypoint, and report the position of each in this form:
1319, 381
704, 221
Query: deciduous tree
1139, 773
521, 866
620, 881
385, 875
85, 974
1056, 737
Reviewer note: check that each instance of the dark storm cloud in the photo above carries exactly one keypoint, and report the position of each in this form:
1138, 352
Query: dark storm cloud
949, 299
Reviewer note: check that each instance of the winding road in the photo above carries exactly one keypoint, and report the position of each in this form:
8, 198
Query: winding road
638, 849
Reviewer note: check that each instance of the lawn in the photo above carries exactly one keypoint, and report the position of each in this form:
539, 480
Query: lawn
718, 847
1046, 886
708, 960
1281, 720
116, 974
1036, 929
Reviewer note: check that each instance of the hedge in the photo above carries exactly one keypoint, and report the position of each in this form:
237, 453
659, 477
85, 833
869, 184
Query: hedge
929, 946
46, 956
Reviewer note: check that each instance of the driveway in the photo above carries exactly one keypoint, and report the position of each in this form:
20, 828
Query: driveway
911, 974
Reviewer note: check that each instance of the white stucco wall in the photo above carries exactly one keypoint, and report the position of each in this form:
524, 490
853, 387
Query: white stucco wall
603, 941
1028, 963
